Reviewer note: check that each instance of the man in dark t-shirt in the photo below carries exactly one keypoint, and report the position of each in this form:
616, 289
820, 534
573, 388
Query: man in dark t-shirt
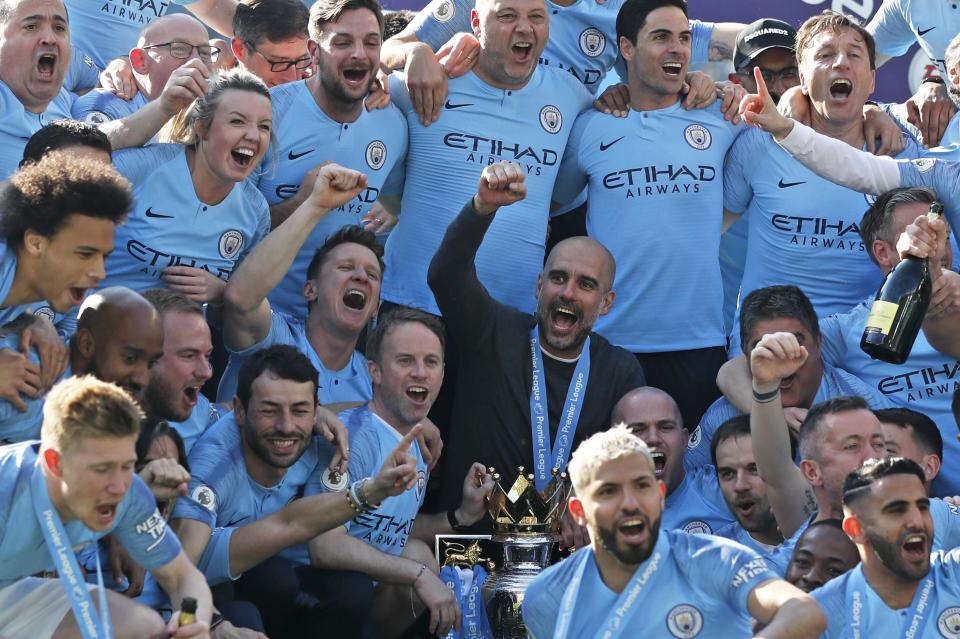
514, 365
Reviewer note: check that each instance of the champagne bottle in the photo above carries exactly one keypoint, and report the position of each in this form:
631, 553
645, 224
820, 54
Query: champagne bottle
901, 304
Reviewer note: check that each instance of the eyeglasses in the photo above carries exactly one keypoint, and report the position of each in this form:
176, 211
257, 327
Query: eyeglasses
183, 50
279, 66
790, 74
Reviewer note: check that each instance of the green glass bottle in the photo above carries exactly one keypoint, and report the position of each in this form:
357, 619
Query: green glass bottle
901, 304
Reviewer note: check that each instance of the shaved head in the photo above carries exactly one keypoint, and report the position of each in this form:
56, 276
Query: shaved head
110, 306
174, 25
622, 411
585, 246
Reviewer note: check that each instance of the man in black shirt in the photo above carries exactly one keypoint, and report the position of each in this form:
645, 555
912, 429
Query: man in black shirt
515, 365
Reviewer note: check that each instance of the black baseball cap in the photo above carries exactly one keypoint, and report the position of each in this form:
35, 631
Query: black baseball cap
757, 37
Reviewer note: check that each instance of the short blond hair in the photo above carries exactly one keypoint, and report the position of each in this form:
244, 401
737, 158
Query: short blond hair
619, 441
86, 407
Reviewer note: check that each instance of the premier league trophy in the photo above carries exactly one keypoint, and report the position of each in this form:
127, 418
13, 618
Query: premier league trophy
526, 523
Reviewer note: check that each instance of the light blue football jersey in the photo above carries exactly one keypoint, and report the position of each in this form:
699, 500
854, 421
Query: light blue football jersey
478, 126
169, 226
371, 442
898, 24
375, 143
137, 524
697, 505
204, 415
834, 383
350, 384
696, 585
99, 106
656, 190
223, 496
17, 125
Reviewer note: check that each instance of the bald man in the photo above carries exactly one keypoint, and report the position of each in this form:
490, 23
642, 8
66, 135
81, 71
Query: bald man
514, 365
119, 337
152, 62
694, 502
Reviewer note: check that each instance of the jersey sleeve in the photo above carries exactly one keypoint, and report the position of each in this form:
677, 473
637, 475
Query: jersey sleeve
939, 175
364, 453
279, 333
82, 74
723, 569
571, 177
738, 170
699, 41
833, 349
399, 95
436, 23
890, 29
137, 164
97, 107
215, 561
946, 524
143, 530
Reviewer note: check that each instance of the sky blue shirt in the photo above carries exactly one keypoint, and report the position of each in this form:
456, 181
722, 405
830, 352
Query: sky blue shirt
14, 425
834, 383
900, 23
138, 525
99, 106
803, 229
940, 175
698, 586
83, 72
839, 597
925, 382
108, 29
697, 505
204, 414
169, 226
223, 496
583, 36
350, 384
371, 442
478, 126
17, 125
655, 173
375, 143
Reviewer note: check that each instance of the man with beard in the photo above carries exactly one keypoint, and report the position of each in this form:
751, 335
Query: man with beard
323, 118
901, 583
682, 346
823, 552
693, 501
684, 583
394, 543
525, 395
742, 487
119, 338
252, 503
173, 392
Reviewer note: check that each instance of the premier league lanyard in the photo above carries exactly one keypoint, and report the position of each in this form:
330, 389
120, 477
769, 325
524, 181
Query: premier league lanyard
616, 622
540, 416
858, 621
58, 544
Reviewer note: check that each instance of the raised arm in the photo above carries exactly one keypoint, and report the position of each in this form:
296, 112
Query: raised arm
829, 158
246, 312
787, 611
777, 356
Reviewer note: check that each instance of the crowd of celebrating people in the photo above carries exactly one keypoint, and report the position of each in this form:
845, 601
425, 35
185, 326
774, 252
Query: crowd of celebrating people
285, 288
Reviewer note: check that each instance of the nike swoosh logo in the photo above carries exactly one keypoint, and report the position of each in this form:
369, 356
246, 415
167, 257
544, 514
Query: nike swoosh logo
604, 147
293, 156
921, 32
151, 214
234, 522
455, 106
785, 185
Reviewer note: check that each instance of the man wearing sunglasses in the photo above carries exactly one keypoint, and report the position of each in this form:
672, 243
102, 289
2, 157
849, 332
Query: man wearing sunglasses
164, 46
270, 40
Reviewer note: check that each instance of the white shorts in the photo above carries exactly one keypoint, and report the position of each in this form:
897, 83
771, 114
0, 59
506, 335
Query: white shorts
33, 608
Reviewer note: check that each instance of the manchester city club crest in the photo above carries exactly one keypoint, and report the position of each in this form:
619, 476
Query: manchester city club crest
376, 154
684, 621
550, 118
697, 527
333, 480
592, 42
230, 243
923, 164
421, 484
698, 136
45, 311
948, 623
204, 496
445, 11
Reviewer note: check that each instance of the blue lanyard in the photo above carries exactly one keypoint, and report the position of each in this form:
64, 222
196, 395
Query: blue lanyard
856, 600
58, 545
540, 416
474, 623
616, 622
